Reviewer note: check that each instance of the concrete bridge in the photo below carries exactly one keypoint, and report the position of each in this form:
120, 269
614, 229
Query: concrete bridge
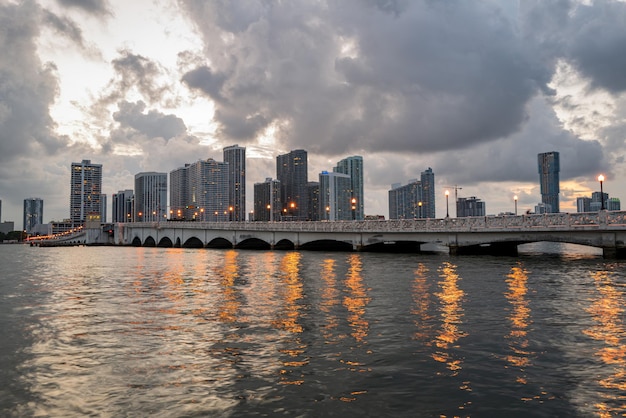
473, 235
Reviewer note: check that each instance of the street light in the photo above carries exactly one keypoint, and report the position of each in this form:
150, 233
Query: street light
230, 216
215, 216
353, 201
447, 206
420, 208
269, 212
515, 200
202, 214
328, 213
601, 180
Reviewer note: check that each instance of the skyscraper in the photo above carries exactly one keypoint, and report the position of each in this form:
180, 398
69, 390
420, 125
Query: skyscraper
427, 179
85, 192
179, 194
208, 185
335, 194
353, 166
123, 206
267, 203
404, 201
292, 172
150, 197
235, 156
549, 167
469, 206
33, 213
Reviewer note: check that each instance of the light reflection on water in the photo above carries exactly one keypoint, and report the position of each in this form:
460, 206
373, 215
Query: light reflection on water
178, 332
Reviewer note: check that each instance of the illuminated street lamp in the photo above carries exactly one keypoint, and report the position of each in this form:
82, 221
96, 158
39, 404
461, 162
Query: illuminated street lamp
328, 213
601, 180
353, 201
230, 216
202, 214
447, 206
215, 216
419, 204
515, 200
269, 212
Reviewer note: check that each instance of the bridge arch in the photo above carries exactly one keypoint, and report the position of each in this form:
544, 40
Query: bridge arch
327, 245
136, 242
219, 243
253, 244
193, 242
165, 243
149, 242
284, 244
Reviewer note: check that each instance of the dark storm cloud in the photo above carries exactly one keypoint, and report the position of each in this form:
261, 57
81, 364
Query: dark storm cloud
597, 44
422, 76
153, 124
28, 87
202, 78
137, 71
95, 7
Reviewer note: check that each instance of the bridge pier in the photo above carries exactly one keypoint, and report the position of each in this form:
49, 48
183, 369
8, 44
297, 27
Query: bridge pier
612, 253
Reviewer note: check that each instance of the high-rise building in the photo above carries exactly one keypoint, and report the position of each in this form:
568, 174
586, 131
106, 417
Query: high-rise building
406, 202
613, 203
122, 206
469, 206
235, 156
353, 166
150, 197
427, 179
313, 197
209, 184
549, 167
335, 194
33, 213
85, 192
179, 194
267, 202
583, 204
292, 172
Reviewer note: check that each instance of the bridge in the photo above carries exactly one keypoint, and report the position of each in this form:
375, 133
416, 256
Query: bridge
498, 235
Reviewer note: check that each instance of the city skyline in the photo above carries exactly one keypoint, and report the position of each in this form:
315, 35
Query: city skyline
148, 86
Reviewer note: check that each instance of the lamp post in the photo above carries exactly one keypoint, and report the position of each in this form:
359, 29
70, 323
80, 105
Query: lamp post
269, 212
419, 204
353, 201
447, 206
230, 215
515, 200
601, 180
202, 214
328, 213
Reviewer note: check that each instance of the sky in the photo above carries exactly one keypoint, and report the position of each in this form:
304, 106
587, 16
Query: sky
473, 89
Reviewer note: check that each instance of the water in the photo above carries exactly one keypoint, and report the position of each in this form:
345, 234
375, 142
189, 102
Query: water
111, 331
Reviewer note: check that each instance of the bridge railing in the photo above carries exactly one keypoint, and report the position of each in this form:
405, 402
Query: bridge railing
593, 220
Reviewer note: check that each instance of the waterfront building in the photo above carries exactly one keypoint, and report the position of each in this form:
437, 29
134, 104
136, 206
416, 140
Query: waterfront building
541, 208
549, 167
208, 189
7, 226
33, 214
613, 204
427, 179
179, 194
85, 192
406, 202
292, 172
235, 156
583, 204
353, 166
122, 206
469, 206
267, 202
150, 197
335, 194
313, 197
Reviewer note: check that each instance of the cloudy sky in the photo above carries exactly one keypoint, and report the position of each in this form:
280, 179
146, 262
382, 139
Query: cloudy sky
473, 89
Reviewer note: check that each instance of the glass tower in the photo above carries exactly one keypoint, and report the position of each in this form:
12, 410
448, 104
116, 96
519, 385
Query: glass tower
353, 166
85, 192
235, 156
549, 167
